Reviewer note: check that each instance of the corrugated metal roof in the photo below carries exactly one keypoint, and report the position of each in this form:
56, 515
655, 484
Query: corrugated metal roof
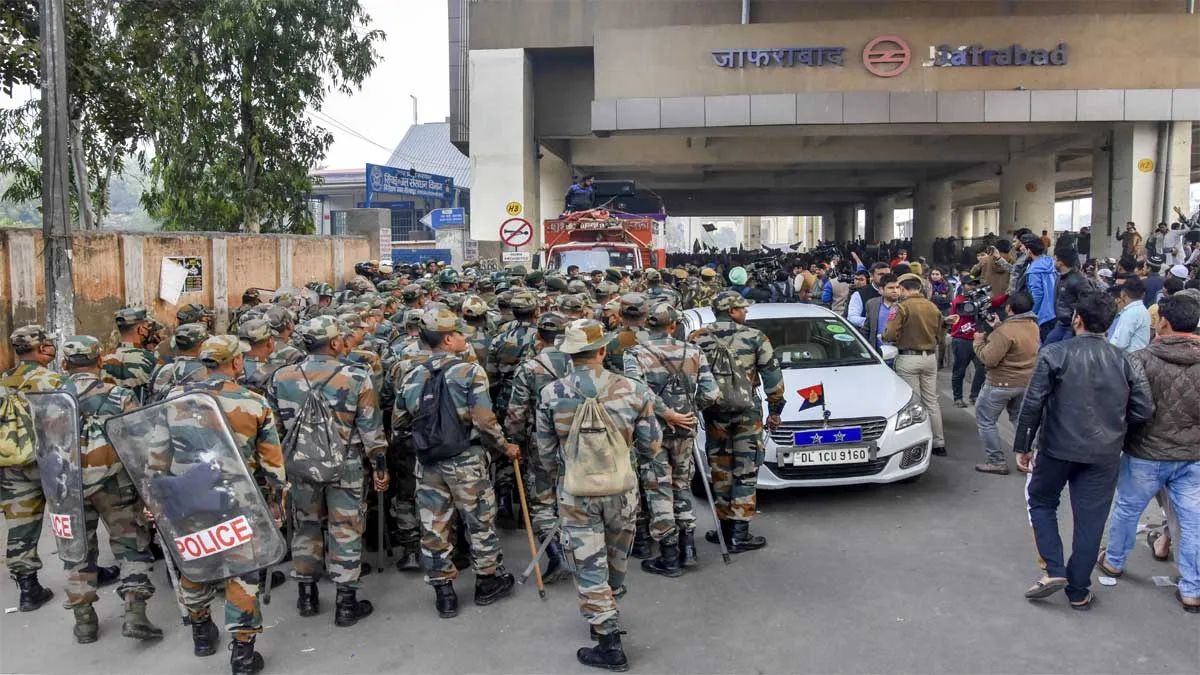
427, 148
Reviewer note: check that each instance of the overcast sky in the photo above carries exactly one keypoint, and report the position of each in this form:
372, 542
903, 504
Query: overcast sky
415, 61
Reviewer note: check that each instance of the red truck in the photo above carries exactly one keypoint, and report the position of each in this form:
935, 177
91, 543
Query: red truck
598, 239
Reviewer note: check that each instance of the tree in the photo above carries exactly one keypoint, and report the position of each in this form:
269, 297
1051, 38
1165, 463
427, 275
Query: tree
226, 86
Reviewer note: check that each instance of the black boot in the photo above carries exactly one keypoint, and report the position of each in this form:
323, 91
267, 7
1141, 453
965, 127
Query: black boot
106, 576
504, 509
667, 562
556, 563
33, 594
742, 540
410, 559
204, 637
641, 543
350, 609
447, 599
687, 548
244, 660
309, 602
726, 529
491, 587
608, 654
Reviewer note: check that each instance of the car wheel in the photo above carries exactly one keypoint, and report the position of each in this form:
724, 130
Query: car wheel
911, 479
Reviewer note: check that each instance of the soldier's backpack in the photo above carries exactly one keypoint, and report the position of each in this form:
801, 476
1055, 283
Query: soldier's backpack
596, 458
438, 433
16, 426
737, 391
313, 450
675, 392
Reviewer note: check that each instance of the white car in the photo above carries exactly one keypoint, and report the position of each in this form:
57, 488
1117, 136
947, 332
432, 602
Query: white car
877, 431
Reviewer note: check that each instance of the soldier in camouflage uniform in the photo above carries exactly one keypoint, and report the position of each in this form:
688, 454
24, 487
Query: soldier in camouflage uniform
359, 356
459, 483
600, 529
572, 306
110, 495
350, 395
531, 377
257, 369
134, 361
734, 442
655, 288
253, 425
708, 289
21, 486
509, 348
479, 331
671, 367
186, 367
250, 300
414, 299
634, 308
283, 324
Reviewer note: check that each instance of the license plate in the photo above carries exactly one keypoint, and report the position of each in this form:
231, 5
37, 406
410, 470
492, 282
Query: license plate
826, 456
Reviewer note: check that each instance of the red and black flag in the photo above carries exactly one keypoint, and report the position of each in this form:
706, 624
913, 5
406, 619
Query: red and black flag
812, 397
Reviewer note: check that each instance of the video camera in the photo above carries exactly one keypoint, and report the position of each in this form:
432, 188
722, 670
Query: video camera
826, 252
977, 306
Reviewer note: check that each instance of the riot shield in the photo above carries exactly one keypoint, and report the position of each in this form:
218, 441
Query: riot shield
183, 458
56, 426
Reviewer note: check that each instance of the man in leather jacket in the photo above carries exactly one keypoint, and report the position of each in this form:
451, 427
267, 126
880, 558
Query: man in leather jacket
1083, 396
1071, 284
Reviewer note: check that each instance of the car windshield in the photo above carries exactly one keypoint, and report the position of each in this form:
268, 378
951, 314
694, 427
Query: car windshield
814, 342
591, 259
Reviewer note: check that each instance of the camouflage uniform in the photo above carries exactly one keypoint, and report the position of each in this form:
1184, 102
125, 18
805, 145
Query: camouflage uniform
479, 329
459, 483
254, 428
109, 491
354, 401
633, 306
656, 290
600, 529
183, 368
734, 443
255, 373
130, 367
509, 348
21, 486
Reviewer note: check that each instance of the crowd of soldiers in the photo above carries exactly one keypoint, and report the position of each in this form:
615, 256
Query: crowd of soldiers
520, 351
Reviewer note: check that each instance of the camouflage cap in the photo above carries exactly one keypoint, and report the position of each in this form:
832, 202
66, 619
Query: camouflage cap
255, 330
504, 299
552, 321
189, 335
279, 318
502, 287
359, 285
474, 307
351, 320
662, 315
426, 284
577, 286
454, 300
607, 287
386, 286
442, 320
524, 301
517, 270
634, 305
652, 275
728, 300
485, 284
556, 284
569, 302
413, 319
325, 291
81, 349
193, 313
220, 349
128, 317
320, 330
583, 335
410, 292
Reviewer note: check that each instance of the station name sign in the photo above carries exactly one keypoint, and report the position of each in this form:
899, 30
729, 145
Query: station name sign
784, 57
1012, 55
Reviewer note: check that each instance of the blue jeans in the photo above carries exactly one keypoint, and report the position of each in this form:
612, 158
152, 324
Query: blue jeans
1139, 481
990, 402
1058, 334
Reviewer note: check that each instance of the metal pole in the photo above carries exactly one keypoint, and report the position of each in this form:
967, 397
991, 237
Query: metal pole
56, 230
414, 98
745, 11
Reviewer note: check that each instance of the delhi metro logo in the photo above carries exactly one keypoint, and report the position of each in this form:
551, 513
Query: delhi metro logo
887, 56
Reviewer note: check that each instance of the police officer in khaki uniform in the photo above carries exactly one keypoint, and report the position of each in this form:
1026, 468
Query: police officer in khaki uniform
914, 327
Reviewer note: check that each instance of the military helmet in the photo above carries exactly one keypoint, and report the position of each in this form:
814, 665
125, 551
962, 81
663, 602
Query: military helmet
474, 307
681, 274
727, 300
652, 276
517, 270
524, 301
190, 335
556, 283
454, 301
410, 292
447, 277
386, 286
193, 313
81, 350
503, 287
607, 287
128, 317
324, 291
485, 284
534, 278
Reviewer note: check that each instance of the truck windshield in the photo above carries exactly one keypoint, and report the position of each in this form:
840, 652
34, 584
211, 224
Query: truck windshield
590, 259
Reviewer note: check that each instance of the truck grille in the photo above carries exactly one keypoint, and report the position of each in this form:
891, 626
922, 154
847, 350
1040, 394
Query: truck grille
872, 428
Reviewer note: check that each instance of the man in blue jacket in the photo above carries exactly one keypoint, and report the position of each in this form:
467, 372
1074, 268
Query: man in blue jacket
1040, 279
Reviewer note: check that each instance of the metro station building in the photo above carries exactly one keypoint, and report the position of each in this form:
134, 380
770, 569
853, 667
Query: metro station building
825, 107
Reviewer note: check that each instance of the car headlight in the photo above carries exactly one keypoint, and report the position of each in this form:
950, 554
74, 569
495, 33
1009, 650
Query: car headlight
912, 413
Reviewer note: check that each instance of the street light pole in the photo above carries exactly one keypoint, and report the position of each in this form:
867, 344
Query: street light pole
56, 229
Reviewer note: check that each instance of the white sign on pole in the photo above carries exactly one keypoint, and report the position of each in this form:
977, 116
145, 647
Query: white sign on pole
516, 256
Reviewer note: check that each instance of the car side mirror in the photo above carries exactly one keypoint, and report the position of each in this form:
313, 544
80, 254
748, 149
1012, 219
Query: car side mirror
889, 352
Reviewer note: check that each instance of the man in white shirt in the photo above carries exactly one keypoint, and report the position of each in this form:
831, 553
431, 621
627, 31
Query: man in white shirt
1131, 329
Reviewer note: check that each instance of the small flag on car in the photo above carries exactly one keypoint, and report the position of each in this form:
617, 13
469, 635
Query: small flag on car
811, 397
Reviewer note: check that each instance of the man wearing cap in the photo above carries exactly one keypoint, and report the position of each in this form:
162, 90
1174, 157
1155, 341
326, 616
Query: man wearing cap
914, 326
633, 311
133, 363
21, 486
678, 371
600, 530
110, 495
479, 330
571, 306
656, 290
509, 348
532, 375
283, 325
1149, 271
358, 356
257, 370
710, 285
414, 299
253, 424
337, 506
249, 299
460, 482
324, 300
186, 366
734, 441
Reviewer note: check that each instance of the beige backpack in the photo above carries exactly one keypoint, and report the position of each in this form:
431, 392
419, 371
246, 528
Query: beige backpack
596, 457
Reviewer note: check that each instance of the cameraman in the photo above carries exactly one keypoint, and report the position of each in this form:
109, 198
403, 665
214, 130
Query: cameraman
1009, 353
962, 335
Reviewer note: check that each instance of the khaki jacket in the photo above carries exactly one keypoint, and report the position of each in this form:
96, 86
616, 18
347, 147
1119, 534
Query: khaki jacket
1010, 352
915, 323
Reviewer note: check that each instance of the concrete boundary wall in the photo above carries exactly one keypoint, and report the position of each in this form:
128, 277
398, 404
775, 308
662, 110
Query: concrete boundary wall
118, 269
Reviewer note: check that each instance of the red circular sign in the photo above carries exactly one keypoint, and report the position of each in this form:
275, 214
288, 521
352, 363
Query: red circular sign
887, 56
516, 232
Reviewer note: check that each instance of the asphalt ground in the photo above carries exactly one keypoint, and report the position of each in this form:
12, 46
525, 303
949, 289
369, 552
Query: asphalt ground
920, 578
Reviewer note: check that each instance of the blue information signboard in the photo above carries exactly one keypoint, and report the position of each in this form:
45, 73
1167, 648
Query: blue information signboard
395, 181
409, 256
456, 217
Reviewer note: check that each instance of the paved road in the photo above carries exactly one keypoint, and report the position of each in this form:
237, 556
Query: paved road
923, 578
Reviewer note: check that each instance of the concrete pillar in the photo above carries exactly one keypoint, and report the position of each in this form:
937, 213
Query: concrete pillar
844, 218
1027, 194
881, 225
1129, 181
503, 146
554, 178
752, 233
964, 222
1178, 170
374, 224
1102, 229
932, 215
